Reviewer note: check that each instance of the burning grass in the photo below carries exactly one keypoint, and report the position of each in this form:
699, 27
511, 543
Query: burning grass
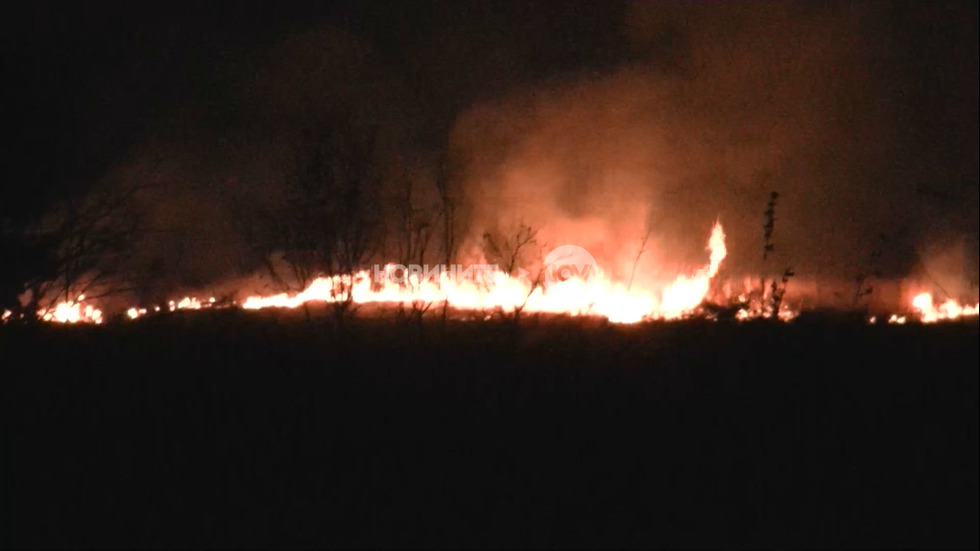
502, 292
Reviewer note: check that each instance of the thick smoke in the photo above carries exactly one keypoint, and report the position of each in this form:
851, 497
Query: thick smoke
724, 103
705, 108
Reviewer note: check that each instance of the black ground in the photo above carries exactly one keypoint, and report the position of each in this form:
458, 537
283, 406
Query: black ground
224, 429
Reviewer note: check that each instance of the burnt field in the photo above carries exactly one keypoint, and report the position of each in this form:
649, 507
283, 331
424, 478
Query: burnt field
224, 429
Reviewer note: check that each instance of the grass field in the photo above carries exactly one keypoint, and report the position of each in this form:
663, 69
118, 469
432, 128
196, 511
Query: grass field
230, 429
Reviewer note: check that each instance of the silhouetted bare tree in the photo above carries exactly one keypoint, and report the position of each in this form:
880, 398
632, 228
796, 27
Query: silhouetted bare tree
78, 248
507, 250
450, 205
332, 220
29, 262
415, 227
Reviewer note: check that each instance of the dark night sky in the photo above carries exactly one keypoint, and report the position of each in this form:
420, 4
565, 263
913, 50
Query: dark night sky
87, 80
854, 110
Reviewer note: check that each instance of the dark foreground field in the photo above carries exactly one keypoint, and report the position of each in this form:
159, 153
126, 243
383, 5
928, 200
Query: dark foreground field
221, 429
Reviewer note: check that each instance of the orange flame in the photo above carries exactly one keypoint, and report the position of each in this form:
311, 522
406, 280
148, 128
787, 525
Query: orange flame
929, 312
596, 295
72, 312
587, 294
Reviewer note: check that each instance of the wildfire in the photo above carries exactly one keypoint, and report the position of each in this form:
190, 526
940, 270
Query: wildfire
596, 295
929, 312
73, 312
186, 303
591, 293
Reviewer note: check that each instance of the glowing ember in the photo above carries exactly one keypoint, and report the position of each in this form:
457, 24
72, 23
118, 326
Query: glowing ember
186, 303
